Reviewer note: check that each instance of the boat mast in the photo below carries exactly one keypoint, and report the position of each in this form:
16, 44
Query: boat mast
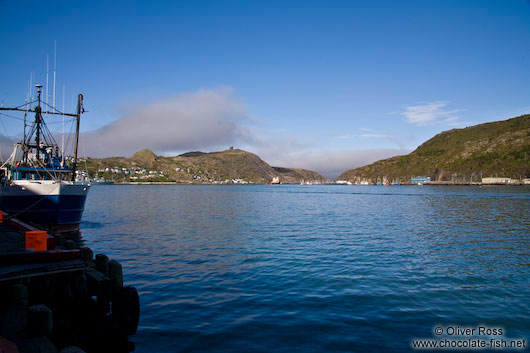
28, 103
37, 121
62, 137
37, 126
47, 74
78, 119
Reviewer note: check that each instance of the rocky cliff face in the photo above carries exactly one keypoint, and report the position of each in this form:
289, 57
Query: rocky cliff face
296, 176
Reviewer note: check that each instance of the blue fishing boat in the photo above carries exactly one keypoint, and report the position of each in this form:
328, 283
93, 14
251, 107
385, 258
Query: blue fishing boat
38, 183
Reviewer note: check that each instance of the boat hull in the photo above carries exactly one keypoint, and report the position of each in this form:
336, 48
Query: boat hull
58, 206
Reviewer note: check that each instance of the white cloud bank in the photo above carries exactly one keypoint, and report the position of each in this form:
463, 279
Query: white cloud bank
202, 120
364, 136
210, 120
432, 113
6, 146
331, 163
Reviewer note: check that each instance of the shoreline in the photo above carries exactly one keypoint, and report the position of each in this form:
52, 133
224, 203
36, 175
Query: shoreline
334, 184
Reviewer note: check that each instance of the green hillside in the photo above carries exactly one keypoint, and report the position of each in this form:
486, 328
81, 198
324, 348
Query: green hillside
196, 167
500, 148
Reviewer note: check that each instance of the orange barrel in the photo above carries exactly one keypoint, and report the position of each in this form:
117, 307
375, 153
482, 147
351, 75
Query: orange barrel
36, 240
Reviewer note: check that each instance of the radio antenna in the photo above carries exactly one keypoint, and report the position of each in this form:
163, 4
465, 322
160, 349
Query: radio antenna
54, 70
62, 137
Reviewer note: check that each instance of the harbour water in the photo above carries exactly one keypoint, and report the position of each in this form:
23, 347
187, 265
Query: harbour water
264, 268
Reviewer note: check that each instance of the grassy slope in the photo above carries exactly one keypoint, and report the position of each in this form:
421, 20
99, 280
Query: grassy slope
500, 148
229, 164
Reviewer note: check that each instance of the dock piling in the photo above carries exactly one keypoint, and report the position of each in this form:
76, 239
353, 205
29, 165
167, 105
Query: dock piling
102, 264
40, 320
116, 275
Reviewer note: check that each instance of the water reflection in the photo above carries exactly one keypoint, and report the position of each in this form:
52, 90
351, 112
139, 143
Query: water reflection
321, 268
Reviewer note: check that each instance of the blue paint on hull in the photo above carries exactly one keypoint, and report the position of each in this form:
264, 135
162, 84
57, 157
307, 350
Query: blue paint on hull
45, 209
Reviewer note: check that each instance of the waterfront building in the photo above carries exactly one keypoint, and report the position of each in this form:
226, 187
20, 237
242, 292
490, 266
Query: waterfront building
497, 180
420, 179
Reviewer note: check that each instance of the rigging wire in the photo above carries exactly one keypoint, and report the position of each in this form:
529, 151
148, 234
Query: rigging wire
12, 117
22, 105
60, 122
48, 123
47, 170
56, 131
54, 110
70, 134
83, 147
5, 130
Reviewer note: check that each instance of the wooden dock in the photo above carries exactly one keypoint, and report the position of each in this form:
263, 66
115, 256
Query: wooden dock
17, 263
61, 297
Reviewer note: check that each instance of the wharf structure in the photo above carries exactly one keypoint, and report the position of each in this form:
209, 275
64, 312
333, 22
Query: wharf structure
55, 297
504, 181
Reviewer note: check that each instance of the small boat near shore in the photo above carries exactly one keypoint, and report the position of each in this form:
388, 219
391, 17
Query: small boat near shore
275, 181
38, 183
99, 181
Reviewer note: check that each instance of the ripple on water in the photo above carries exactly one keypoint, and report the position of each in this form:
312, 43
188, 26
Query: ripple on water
316, 269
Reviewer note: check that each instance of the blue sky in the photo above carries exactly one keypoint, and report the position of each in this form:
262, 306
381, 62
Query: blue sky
324, 85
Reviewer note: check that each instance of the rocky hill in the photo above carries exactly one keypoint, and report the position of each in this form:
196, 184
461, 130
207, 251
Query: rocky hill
296, 175
232, 165
499, 148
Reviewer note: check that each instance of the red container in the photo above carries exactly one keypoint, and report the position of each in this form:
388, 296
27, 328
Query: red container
36, 240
